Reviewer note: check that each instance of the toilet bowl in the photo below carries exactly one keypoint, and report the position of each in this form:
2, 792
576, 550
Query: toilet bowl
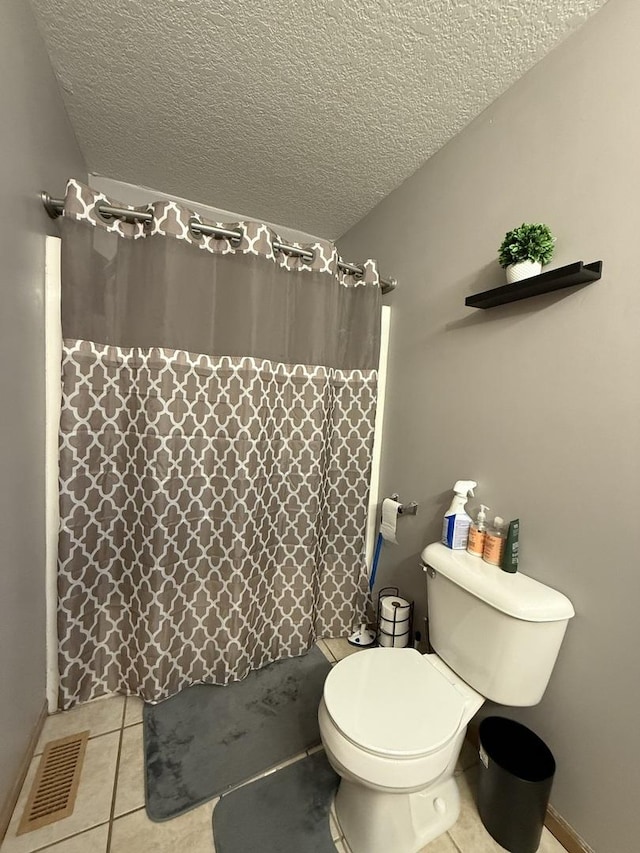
392, 723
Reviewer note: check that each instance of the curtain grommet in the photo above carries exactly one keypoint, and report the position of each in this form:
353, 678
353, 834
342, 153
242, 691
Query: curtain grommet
197, 236
105, 218
235, 241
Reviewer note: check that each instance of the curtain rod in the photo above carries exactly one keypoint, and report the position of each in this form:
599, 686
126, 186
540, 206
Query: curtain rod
55, 206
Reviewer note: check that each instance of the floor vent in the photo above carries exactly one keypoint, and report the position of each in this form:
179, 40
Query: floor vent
53, 793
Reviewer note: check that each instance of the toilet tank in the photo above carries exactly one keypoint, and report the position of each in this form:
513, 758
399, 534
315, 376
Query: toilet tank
500, 632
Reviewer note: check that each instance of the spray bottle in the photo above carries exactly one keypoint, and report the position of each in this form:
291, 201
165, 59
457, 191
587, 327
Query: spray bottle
477, 532
455, 529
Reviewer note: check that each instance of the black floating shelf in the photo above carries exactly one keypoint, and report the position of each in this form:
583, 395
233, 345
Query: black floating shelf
546, 282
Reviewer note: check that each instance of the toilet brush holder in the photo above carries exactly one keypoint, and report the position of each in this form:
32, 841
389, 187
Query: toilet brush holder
363, 637
394, 619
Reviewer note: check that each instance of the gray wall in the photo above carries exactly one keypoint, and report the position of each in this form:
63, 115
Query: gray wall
37, 151
538, 401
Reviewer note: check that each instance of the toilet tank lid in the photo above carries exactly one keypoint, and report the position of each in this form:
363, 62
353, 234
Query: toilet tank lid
512, 593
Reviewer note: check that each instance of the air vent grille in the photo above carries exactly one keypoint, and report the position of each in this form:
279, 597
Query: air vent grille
53, 793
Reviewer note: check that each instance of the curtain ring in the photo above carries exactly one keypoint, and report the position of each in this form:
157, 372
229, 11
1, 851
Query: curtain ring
238, 238
197, 236
107, 218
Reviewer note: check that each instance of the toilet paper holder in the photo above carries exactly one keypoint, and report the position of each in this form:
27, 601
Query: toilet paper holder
395, 629
405, 509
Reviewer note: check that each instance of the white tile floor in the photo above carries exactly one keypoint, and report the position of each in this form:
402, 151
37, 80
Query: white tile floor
109, 815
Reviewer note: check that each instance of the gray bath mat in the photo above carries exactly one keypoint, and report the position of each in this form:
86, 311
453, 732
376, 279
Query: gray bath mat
209, 738
285, 812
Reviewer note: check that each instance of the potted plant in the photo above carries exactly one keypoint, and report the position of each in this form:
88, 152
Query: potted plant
525, 249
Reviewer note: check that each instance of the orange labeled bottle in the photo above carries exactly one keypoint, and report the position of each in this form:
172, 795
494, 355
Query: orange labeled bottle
478, 532
494, 542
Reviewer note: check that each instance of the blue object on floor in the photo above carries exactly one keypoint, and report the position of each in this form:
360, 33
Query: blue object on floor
285, 812
209, 738
376, 558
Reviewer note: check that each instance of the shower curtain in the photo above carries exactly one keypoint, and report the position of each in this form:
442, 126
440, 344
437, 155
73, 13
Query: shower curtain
218, 402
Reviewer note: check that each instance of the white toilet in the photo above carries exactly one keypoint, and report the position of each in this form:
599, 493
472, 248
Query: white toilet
392, 721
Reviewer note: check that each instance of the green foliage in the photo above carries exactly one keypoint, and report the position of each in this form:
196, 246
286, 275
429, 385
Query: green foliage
533, 242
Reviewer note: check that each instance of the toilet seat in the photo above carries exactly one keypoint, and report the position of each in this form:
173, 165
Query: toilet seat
393, 703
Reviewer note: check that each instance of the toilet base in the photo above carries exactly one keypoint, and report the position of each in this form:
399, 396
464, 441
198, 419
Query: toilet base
377, 821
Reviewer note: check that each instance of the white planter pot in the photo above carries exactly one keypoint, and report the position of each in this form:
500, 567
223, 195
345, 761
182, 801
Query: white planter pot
523, 269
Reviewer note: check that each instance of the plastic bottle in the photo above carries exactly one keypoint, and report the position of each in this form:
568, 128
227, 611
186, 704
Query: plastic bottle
512, 546
455, 528
478, 532
494, 542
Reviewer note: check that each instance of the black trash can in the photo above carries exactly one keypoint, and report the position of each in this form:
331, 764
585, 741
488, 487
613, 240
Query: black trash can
516, 774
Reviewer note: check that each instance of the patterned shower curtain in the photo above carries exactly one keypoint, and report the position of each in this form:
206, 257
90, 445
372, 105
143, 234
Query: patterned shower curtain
215, 446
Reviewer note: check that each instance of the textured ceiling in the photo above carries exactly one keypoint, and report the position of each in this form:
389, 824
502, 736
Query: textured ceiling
302, 113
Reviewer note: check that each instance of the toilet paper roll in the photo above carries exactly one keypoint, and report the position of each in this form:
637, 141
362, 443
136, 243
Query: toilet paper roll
389, 519
394, 609
389, 641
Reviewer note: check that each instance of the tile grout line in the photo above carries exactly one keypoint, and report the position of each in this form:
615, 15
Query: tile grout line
91, 737
326, 646
129, 812
293, 760
48, 846
115, 780
453, 841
